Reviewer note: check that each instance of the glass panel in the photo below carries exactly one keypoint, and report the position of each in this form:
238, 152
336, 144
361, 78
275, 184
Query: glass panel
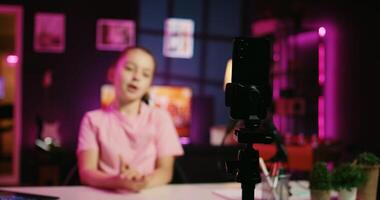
296, 88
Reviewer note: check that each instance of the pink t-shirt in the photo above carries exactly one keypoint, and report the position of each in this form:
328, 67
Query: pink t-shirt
140, 140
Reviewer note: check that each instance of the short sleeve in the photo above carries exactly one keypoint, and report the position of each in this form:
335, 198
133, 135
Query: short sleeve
167, 141
87, 138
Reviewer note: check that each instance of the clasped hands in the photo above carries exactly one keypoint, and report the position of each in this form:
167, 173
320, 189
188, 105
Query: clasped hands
129, 178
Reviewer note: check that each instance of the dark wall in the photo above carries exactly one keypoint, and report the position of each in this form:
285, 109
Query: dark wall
77, 73
360, 47
80, 70
357, 44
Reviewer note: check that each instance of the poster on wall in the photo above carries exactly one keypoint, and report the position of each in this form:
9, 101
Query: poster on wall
115, 34
49, 32
178, 38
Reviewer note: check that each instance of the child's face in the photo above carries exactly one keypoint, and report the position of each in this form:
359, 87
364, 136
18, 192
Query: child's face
133, 75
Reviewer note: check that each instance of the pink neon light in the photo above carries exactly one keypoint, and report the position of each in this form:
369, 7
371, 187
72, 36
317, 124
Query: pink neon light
263, 27
332, 94
12, 59
321, 117
276, 57
330, 79
304, 38
322, 31
321, 64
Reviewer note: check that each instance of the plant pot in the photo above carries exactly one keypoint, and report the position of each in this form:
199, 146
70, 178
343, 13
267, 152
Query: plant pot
368, 191
320, 194
344, 194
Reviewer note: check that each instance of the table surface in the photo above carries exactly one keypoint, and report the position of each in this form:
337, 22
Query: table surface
217, 191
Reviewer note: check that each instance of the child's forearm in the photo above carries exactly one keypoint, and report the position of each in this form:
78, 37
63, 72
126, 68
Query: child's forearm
160, 176
99, 179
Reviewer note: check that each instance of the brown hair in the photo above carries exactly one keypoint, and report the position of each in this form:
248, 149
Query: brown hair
126, 50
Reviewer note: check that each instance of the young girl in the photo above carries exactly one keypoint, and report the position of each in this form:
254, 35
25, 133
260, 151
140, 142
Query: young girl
129, 145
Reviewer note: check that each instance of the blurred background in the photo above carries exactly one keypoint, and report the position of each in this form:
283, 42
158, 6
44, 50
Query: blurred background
55, 57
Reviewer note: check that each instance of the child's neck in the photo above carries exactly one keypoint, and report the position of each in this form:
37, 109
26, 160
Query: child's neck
130, 109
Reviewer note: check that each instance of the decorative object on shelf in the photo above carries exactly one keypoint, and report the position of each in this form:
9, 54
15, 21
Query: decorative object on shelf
370, 163
48, 134
47, 79
115, 34
49, 32
320, 182
346, 179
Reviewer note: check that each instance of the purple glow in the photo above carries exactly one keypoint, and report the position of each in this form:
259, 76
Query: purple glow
328, 76
2, 88
276, 88
304, 38
321, 118
264, 27
276, 67
332, 79
276, 57
321, 100
184, 140
12, 59
276, 120
330, 91
322, 31
321, 64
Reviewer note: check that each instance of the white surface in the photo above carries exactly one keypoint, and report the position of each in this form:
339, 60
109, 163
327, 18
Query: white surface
299, 191
167, 192
217, 191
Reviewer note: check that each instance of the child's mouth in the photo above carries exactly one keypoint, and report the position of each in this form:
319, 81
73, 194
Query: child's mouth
132, 88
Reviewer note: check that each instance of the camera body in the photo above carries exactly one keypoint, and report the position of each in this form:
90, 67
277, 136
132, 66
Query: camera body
249, 95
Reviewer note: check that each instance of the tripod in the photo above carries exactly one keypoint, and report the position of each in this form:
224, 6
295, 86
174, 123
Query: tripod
247, 169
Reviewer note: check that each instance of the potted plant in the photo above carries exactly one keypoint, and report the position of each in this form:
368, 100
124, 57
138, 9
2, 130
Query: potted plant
346, 178
370, 163
320, 182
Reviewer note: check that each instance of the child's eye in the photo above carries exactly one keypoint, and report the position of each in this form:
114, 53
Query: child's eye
128, 68
146, 75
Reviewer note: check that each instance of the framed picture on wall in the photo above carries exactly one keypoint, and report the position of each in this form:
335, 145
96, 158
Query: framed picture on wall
115, 34
178, 38
177, 101
49, 32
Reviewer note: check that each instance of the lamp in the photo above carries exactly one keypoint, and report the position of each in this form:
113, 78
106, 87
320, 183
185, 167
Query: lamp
228, 73
218, 133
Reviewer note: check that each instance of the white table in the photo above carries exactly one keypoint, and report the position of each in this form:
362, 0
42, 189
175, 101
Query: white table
217, 191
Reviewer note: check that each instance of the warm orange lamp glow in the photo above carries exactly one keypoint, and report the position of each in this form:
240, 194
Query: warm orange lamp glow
107, 95
228, 73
